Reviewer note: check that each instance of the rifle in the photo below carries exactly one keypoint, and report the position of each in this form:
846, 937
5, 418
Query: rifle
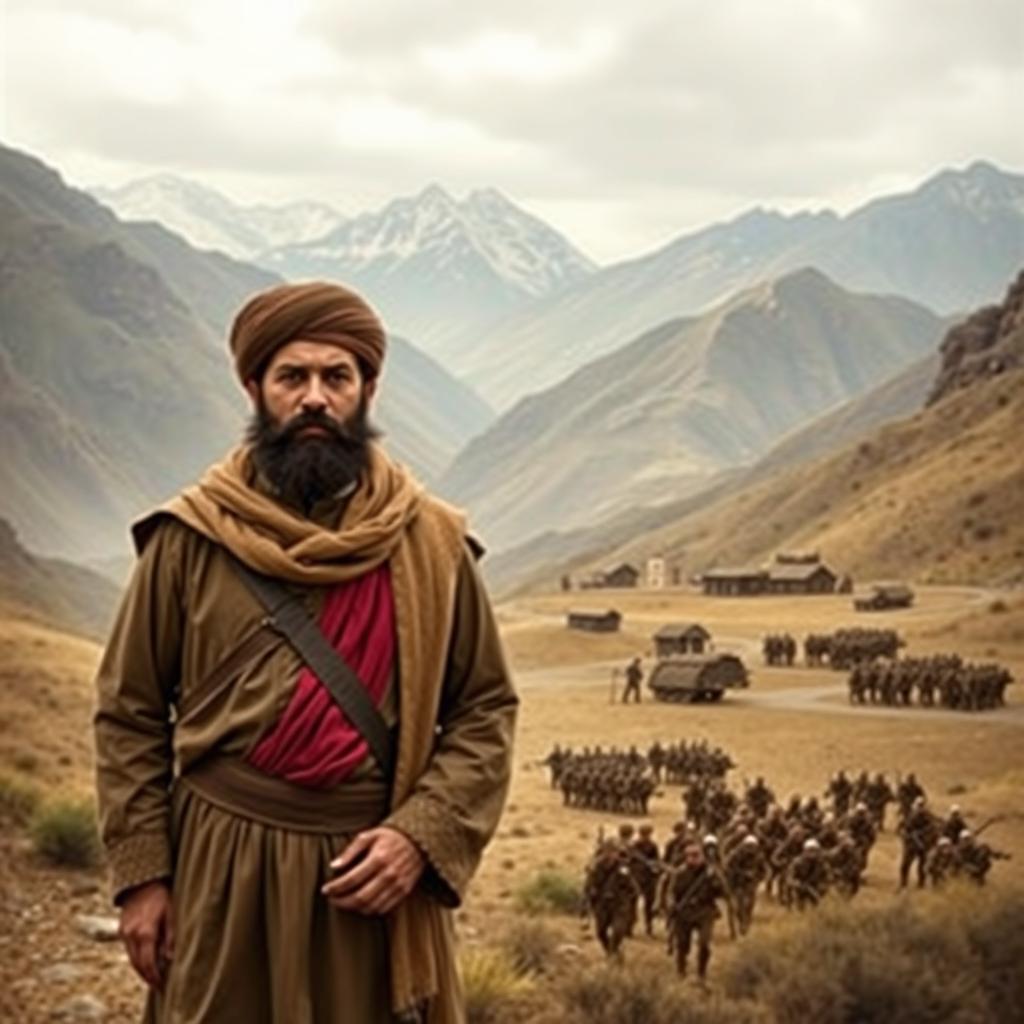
730, 906
994, 820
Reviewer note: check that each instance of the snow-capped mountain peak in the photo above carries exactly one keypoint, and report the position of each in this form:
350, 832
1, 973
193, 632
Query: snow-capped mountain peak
210, 220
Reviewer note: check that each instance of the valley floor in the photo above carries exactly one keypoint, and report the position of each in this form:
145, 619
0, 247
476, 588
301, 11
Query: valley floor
793, 726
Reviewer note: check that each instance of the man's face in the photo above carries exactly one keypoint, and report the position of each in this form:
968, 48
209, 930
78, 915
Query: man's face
311, 377
310, 432
694, 856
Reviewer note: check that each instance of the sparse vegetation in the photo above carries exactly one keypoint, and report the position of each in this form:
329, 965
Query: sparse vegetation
551, 891
492, 985
19, 800
947, 959
648, 994
530, 945
65, 833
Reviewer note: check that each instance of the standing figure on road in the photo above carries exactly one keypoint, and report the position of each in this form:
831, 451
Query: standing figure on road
304, 719
634, 677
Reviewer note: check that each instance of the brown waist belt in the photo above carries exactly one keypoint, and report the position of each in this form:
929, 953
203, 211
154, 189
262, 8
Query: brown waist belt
241, 790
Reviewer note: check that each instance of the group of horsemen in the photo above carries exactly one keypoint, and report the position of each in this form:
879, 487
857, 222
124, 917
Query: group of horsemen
798, 853
879, 676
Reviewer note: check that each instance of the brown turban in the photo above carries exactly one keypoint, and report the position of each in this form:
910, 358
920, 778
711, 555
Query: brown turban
316, 311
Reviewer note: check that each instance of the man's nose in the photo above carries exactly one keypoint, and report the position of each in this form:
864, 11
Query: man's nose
314, 399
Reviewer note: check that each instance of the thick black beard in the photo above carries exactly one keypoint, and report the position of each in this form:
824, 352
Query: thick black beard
305, 470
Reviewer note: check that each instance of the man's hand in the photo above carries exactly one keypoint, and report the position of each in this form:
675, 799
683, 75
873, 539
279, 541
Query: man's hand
147, 930
375, 872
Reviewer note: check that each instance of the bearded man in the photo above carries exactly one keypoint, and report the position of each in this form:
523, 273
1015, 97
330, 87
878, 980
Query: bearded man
304, 719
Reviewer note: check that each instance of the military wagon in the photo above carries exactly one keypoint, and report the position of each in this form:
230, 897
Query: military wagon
693, 678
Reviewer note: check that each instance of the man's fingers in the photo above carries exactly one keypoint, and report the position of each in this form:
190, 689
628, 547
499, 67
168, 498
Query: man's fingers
376, 896
355, 849
355, 877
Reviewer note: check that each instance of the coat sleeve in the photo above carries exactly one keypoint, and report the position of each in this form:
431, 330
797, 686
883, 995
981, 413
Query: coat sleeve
133, 725
456, 804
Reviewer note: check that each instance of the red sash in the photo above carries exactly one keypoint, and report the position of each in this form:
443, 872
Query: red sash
313, 743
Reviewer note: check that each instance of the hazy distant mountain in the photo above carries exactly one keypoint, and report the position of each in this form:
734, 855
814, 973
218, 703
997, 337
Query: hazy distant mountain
949, 245
56, 592
436, 266
663, 416
933, 494
209, 220
115, 387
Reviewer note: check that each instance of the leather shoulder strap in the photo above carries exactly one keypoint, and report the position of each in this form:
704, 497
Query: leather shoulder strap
289, 618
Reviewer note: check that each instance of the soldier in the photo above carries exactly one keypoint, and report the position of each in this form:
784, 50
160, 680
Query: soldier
954, 824
846, 864
879, 796
862, 831
646, 866
907, 791
745, 869
785, 853
942, 862
675, 846
554, 761
808, 877
656, 759
611, 895
759, 797
634, 677
693, 907
919, 831
975, 859
789, 650
840, 789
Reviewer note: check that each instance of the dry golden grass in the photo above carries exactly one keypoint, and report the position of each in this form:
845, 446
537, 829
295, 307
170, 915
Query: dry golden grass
46, 705
46, 701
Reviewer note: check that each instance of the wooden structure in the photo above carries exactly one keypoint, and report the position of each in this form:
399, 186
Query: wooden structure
622, 575
656, 573
801, 578
734, 582
681, 638
789, 574
591, 621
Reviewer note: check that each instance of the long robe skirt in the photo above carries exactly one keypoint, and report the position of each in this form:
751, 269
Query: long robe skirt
255, 940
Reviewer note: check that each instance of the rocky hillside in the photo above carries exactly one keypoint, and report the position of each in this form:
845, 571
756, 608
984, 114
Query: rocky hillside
988, 343
933, 496
115, 386
662, 417
58, 593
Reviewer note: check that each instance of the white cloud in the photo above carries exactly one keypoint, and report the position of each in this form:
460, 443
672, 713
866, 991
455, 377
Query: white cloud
625, 122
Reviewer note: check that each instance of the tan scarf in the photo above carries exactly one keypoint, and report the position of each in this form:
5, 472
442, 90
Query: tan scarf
389, 518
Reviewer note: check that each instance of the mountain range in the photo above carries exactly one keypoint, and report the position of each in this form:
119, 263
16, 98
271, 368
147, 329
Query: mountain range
662, 416
433, 265
950, 245
115, 385
933, 492
210, 220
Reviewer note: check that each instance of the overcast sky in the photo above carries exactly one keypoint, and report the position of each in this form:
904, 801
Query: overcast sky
623, 123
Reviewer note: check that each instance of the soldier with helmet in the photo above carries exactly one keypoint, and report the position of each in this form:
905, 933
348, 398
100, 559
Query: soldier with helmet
693, 895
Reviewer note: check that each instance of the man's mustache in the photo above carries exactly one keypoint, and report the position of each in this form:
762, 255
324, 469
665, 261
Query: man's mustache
287, 432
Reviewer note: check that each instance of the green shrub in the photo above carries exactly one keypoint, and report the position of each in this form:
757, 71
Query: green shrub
492, 986
19, 800
550, 891
530, 946
65, 833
